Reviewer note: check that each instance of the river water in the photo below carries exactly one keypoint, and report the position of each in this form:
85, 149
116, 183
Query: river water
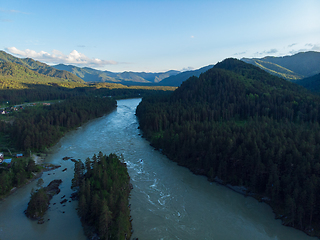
167, 201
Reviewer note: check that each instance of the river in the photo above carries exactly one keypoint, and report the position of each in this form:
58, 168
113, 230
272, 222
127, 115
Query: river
167, 201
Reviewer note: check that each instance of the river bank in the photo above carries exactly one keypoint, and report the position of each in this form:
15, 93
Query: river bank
167, 201
40, 200
39, 159
278, 212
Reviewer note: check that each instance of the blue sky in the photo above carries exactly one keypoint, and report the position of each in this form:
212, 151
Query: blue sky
156, 36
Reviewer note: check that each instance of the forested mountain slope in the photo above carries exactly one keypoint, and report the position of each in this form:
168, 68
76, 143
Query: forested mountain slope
17, 77
239, 125
311, 83
39, 67
37, 128
297, 66
176, 80
89, 74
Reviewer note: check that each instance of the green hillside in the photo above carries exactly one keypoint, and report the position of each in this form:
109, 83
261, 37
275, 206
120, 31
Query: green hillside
239, 125
39, 67
275, 69
15, 76
297, 66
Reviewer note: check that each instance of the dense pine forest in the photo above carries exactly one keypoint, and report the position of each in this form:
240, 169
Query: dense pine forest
103, 187
36, 128
19, 172
239, 125
42, 92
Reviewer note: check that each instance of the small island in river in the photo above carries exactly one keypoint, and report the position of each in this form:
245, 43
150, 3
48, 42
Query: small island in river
40, 200
103, 189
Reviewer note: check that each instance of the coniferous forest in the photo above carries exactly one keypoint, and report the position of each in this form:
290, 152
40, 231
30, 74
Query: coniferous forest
239, 125
38, 128
17, 174
103, 185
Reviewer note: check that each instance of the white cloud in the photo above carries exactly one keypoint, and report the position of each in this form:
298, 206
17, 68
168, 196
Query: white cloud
291, 45
6, 20
307, 47
315, 47
272, 51
186, 69
240, 53
13, 11
56, 57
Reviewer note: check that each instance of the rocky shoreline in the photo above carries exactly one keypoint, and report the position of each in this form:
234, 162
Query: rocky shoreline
37, 175
40, 200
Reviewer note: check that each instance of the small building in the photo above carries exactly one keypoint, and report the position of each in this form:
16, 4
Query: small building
8, 161
19, 155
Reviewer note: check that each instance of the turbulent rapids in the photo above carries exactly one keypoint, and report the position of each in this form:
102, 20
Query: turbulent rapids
167, 201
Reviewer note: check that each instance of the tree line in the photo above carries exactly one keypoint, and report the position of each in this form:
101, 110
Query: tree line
36, 128
103, 187
53, 91
241, 126
19, 172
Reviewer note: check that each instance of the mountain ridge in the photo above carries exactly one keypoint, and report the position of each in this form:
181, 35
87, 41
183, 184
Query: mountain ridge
39, 67
126, 77
290, 67
178, 79
241, 126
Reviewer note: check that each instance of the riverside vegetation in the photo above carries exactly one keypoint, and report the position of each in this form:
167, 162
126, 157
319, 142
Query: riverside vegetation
19, 172
235, 123
40, 200
38, 127
239, 125
103, 189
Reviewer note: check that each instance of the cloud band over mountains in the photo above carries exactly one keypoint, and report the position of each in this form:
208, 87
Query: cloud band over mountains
56, 57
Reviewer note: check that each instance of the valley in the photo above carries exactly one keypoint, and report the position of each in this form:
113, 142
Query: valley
231, 122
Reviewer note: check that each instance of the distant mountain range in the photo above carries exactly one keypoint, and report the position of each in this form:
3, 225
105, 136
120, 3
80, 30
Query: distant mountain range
127, 78
176, 80
297, 66
27, 70
170, 78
